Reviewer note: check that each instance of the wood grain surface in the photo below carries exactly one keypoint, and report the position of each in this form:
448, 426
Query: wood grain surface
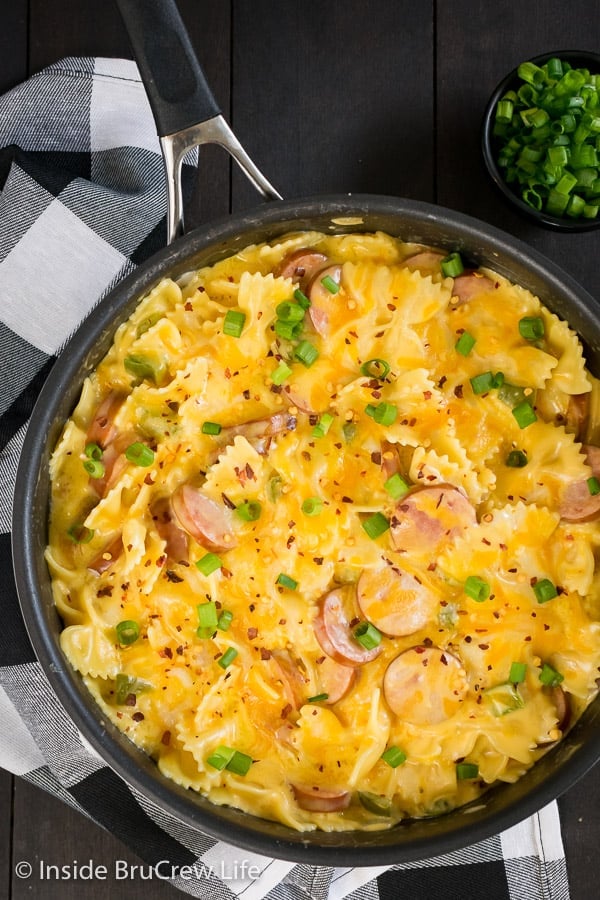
376, 96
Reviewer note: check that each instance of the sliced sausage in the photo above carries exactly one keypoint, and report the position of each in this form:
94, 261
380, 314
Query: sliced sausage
293, 681
175, 538
396, 602
578, 411
426, 261
334, 632
563, 708
102, 428
577, 504
259, 432
428, 517
425, 685
318, 799
469, 284
334, 679
114, 462
321, 299
301, 264
206, 521
108, 557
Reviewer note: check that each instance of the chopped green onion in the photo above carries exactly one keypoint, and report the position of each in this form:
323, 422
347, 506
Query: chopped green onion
323, 425
531, 328
143, 367
233, 323
550, 677
330, 285
452, 265
225, 619
230, 759
147, 323
531, 73
376, 525
289, 331
517, 673
211, 428
382, 413
227, 658
94, 468
301, 299
482, 383
465, 344
207, 615
286, 582
513, 394
396, 486
504, 111
93, 451
375, 368
593, 485
498, 380
290, 312
128, 632
466, 771
249, 510
274, 488
544, 590
307, 353
476, 588
209, 563
524, 414
503, 699
312, 506
124, 686
139, 454
80, 534
394, 757
516, 459
349, 430
318, 698
367, 635
374, 803
280, 374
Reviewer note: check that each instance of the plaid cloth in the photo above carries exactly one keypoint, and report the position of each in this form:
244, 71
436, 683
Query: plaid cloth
82, 204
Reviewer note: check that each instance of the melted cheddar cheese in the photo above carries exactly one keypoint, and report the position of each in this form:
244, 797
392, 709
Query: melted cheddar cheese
357, 564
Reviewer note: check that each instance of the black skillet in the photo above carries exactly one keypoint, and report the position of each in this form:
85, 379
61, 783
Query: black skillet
183, 105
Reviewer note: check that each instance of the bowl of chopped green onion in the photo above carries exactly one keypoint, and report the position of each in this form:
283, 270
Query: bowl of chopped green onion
541, 139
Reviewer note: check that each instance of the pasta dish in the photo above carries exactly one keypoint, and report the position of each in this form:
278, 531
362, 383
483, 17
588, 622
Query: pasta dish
324, 530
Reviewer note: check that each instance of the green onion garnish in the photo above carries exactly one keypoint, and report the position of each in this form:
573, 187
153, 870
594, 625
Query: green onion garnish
517, 673
289, 312
233, 323
367, 635
550, 677
301, 299
323, 425
80, 534
307, 353
249, 510
286, 582
143, 367
544, 590
374, 803
94, 468
128, 632
225, 620
465, 344
93, 451
312, 506
483, 383
466, 771
230, 759
531, 328
318, 698
331, 285
349, 430
211, 428
289, 331
227, 658
524, 414
476, 588
452, 265
394, 757
593, 485
516, 459
396, 486
375, 368
209, 564
376, 525
280, 374
139, 454
382, 413
207, 615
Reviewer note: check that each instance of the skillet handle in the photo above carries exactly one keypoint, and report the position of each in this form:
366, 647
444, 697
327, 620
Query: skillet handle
177, 89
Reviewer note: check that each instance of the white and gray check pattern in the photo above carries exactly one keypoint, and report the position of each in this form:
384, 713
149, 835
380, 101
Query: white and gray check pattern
82, 204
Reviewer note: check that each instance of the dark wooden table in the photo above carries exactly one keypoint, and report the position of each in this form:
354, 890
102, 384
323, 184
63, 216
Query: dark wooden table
378, 96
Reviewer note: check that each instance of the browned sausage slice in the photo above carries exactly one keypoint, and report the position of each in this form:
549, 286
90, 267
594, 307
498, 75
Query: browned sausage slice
318, 799
578, 411
175, 538
577, 504
428, 517
321, 299
335, 680
334, 632
108, 557
426, 261
469, 285
301, 264
200, 516
396, 602
102, 428
114, 462
259, 431
425, 685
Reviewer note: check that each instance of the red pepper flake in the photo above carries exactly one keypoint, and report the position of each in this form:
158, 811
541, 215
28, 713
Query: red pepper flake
228, 503
252, 633
166, 653
286, 710
443, 659
546, 627
290, 541
318, 560
138, 717
250, 472
179, 650
376, 458
105, 591
172, 576
468, 639
227, 372
188, 306
427, 395
130, 700
458, 391
282, 622
264, 653
483, 646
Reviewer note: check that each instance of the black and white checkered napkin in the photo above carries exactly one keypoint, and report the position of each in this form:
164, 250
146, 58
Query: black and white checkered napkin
83, 203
